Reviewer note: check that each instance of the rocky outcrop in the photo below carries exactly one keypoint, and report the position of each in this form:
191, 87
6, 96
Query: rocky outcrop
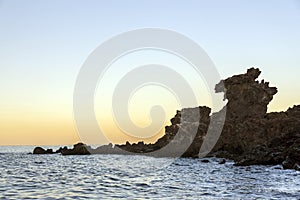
247, 98
78, 149
184, 135
40, 150
246, 108
250, 135
284, 147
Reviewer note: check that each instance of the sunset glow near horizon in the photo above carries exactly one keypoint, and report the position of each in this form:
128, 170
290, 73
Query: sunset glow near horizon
44, 44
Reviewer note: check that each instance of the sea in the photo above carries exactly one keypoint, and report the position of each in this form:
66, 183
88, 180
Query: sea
27, 176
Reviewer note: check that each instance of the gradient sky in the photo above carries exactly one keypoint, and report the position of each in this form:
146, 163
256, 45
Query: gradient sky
43, 45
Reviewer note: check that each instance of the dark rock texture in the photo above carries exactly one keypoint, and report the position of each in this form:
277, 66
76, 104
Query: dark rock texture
40, 150
250, 135
283, 144
184, 135
78, 149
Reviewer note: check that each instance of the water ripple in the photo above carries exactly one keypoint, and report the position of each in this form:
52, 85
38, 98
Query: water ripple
24, 176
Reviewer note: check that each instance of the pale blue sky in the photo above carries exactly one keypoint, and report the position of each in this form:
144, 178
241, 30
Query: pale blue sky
44, 43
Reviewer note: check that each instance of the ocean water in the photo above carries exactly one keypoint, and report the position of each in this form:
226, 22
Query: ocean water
25, 176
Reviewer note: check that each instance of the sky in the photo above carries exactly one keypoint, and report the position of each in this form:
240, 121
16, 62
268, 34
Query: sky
43, 45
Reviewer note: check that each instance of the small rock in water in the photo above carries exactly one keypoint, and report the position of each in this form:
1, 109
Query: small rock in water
39, 150
277, 167
205, 161
222, 161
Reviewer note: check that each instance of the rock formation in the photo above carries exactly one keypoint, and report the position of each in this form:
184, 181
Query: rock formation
40, 150
282, 141
78, 149
250, 135
184, 135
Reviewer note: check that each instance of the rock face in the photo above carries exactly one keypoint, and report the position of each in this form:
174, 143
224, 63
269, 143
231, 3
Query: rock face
245, 112
283, 144
247, 98
184, 135
250, 135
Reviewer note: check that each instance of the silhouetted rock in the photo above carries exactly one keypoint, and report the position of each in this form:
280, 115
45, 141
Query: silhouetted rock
250, 135
78, 149
201, 124
247, 98
39, 150
49, 151
205, 161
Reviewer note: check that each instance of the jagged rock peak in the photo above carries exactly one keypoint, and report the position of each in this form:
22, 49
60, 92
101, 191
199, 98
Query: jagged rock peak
246, 96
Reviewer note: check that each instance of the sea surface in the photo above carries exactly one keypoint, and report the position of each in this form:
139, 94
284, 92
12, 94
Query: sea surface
25, 176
